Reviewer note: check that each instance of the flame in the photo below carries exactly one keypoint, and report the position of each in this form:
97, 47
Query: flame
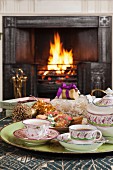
59, 58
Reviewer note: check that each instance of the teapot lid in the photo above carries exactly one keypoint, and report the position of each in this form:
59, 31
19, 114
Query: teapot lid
107, 100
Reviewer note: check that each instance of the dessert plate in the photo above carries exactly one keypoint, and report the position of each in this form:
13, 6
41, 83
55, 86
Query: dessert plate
61, 129
23, 135
77, 145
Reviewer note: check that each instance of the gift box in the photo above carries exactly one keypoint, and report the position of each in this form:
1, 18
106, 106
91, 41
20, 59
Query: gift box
68, 92
71, 107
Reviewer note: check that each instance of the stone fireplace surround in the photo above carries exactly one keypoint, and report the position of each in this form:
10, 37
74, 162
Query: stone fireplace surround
48, 7
98, 70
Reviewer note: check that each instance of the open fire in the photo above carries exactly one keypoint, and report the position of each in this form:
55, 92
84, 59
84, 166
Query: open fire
60, 65
60, 58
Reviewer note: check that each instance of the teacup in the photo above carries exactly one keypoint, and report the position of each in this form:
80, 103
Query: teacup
37, 128
85, 132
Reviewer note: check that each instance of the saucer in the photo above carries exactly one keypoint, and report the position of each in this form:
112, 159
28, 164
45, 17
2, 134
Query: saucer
23, 135
77, 145
109, 139
107, 132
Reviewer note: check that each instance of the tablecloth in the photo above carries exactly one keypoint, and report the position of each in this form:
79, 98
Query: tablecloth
14, 158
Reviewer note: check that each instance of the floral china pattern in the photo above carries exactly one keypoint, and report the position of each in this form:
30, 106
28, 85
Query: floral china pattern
84, 135
23, 134
104, 102
107, 100
101, 120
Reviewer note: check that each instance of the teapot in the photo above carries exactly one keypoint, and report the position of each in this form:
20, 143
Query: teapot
100, 113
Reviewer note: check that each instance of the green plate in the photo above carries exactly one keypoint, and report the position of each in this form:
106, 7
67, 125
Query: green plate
52, 146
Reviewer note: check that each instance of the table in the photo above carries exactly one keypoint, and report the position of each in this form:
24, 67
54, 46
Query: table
14, 158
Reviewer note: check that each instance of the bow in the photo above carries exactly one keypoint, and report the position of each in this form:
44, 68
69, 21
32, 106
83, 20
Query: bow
64, 86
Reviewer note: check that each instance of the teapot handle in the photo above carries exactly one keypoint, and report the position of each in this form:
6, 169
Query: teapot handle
97, 90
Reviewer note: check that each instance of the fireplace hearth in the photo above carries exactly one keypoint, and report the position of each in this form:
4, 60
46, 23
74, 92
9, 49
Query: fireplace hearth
26, 45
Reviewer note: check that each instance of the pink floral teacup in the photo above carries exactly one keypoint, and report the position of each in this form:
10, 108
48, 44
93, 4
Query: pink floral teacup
85, 132
37, 128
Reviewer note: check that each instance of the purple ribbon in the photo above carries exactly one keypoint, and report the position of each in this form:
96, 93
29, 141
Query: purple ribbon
64, 86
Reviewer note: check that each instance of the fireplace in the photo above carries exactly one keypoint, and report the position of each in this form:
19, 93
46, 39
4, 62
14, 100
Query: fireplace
26, 45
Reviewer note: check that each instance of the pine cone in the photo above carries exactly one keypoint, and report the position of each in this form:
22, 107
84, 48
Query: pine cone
21, 112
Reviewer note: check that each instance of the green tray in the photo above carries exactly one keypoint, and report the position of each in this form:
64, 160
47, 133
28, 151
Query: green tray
52, 146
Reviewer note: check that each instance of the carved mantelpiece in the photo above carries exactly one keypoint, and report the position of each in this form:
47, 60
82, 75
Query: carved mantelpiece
94, 76
89, 73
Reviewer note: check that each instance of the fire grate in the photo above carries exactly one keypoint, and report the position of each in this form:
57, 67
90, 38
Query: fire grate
56, 76
48, 81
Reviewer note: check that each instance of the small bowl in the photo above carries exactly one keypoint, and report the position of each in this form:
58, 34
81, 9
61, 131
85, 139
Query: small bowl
107, 133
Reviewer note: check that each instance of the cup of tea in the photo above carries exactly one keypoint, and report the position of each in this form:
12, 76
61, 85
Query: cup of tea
85, 132
37, 128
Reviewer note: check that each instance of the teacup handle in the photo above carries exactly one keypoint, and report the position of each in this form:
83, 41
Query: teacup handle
100, 135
